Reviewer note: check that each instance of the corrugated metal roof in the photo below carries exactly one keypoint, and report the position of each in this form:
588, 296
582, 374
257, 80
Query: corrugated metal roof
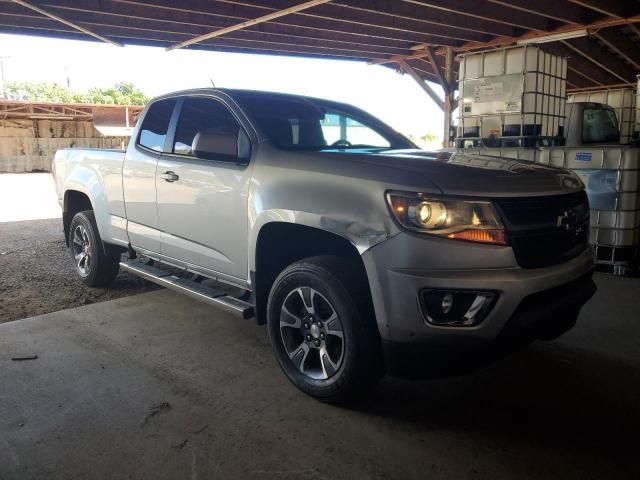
385, 31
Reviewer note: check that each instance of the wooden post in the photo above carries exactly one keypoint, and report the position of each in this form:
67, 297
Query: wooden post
447, 86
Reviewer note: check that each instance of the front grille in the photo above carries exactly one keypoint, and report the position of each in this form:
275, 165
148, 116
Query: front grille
546, 231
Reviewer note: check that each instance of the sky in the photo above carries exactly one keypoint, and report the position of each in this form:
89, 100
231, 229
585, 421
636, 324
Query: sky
394, 98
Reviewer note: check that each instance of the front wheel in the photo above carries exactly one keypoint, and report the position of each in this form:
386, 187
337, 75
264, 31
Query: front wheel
322, 330
94, 267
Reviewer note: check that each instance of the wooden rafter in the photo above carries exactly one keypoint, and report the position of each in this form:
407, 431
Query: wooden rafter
408, 69
184, 22
436, 68
383, 30
620, 44
480, 10
427, 15
590, 50
503, 41
58, 18
608, 87
612, 8
249, 23
552, 9
343, 20
396, 16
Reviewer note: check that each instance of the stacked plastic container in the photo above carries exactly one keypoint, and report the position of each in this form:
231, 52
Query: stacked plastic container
512, 97
622, 100
612, 178
637, 131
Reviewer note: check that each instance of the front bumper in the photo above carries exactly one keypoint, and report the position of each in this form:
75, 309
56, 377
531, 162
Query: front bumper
403, 265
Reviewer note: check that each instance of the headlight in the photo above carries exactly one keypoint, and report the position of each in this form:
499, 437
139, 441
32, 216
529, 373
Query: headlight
472, 220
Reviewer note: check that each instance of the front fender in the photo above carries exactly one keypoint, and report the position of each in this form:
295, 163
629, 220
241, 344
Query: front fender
365, 223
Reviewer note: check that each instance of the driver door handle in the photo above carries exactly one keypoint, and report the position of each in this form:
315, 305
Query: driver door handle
169, 176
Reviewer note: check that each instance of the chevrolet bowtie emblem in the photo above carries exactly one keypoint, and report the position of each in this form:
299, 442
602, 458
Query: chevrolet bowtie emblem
567, 221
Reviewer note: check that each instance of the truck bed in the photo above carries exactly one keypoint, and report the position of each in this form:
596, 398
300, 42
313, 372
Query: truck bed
97, 173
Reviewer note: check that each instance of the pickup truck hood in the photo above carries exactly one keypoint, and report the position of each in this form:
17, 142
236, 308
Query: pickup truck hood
475, 175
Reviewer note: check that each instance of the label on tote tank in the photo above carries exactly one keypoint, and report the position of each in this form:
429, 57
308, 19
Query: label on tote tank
583, 156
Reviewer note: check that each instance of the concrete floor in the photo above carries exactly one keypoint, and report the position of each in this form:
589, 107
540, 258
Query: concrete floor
157, 386
28, 196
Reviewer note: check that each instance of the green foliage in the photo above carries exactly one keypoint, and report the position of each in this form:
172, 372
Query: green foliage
430, 137
121, 93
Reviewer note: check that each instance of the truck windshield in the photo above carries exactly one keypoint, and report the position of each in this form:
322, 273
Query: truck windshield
599, 125
299, 123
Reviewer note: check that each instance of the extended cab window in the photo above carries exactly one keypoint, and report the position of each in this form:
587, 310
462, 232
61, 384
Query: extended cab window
599, 126
153, 131
207, 130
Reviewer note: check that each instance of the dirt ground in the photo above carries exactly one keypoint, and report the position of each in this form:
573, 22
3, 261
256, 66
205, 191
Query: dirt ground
37, 276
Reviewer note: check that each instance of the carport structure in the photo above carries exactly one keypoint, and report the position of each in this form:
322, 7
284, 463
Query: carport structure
418, 37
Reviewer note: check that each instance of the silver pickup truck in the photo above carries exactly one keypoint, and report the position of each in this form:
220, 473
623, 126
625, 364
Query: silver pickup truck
361, 253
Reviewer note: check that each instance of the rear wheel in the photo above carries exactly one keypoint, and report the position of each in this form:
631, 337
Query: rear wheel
322, 330
93, 266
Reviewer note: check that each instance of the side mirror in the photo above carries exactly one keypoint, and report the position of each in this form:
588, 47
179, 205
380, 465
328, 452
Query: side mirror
244, 147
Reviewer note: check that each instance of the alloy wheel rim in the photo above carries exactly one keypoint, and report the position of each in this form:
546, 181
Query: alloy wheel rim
312, 334
82, 250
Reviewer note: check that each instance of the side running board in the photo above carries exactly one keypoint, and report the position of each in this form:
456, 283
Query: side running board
190, 288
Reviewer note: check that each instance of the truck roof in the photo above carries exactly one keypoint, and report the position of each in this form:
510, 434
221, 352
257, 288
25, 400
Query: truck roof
234, 92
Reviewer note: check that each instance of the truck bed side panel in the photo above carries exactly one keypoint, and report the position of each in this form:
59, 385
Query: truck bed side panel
98, 174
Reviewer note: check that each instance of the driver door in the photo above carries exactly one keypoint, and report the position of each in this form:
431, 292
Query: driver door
202, 186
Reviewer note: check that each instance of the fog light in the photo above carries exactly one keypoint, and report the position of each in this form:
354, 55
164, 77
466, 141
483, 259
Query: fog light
456, 308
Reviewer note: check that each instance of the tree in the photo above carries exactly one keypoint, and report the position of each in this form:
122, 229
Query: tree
430, 137
121, 93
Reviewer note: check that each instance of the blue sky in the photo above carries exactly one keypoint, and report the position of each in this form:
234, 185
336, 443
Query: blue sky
394, 98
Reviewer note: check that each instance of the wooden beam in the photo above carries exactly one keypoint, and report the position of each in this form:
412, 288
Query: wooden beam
249, 23
154, 20
580, 66
601, 57
436, 68
606, 87
396, 58
586, 76
426, 14
324, 17
553, 9
214, 18
448, 97
634, 28
611, 8
621, 44
174, 33
482, 10
57, 18
506, 40
420, 81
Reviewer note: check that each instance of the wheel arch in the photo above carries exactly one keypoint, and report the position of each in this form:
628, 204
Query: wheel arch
280, 244
76, 201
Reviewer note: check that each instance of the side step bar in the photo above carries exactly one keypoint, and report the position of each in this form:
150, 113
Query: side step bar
188, 287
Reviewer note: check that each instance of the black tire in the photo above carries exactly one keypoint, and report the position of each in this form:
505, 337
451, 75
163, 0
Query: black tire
357, 355
98, 269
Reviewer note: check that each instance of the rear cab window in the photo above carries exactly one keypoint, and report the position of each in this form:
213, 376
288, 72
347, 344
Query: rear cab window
153, 131
599, 126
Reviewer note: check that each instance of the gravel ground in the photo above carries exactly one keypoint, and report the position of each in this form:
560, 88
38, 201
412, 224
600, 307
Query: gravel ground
37, 275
